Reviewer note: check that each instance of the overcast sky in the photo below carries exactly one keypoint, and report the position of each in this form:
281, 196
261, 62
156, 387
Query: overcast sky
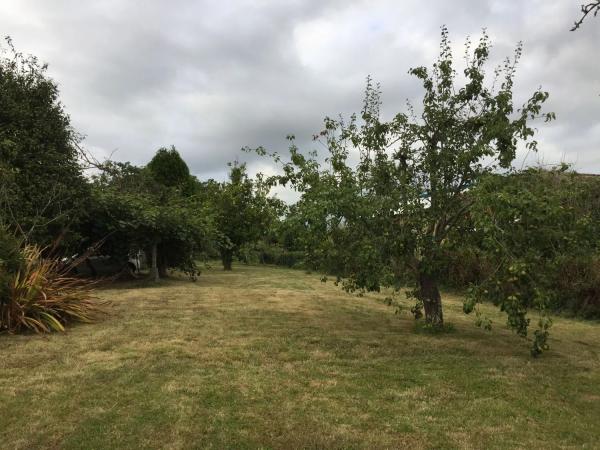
211, 77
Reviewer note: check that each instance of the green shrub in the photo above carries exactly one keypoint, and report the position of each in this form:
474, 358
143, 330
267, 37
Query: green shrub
10, 261
466, 265
577, 285
281, 257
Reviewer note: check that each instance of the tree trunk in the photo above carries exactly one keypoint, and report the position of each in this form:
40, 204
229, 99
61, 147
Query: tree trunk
161, 260
162, 269
227, 258
154, 270
429, 294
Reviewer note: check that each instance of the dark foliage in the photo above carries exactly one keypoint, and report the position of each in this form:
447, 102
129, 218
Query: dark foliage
42, 190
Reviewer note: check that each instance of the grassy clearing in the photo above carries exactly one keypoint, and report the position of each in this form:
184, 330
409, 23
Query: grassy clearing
272, 358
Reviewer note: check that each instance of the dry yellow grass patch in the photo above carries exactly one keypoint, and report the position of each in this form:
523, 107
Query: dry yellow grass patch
266, 357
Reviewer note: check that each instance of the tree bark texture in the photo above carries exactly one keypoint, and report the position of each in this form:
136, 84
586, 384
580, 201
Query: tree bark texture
154, 271
227, 258
429, 294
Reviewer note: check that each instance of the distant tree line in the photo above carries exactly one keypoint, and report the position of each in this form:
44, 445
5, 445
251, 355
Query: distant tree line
47, 200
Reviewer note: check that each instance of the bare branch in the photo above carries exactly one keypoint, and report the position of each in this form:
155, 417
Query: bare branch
586, 9
89, 160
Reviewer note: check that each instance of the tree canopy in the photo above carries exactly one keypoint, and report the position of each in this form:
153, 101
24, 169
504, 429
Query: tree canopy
42, 189
168, 168
243, 212
133, 211
387, 219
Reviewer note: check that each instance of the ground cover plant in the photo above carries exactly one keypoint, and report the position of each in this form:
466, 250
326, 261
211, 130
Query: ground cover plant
41, 295
266, 357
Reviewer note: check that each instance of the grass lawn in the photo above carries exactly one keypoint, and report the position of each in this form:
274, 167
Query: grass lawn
267, 357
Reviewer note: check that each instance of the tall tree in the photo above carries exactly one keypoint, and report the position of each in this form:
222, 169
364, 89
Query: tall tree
242, 214
42, 189
134, 212
168, 168
170, 171
391, 213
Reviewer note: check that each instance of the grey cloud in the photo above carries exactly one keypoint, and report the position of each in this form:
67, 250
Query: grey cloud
212, 77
